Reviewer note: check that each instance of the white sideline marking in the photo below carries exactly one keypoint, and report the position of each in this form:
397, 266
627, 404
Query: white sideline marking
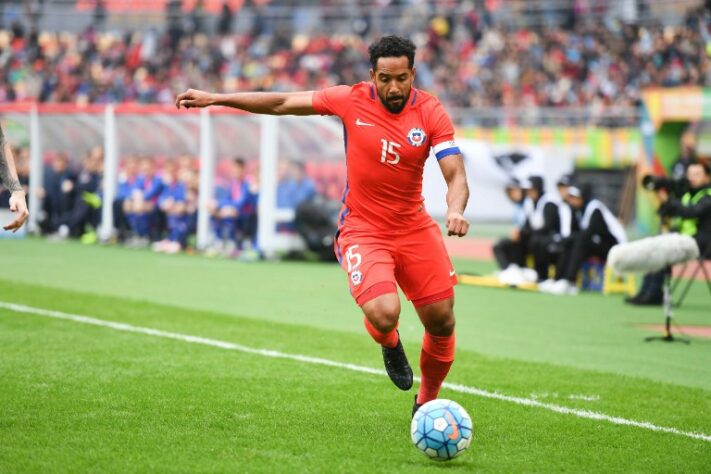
591, 415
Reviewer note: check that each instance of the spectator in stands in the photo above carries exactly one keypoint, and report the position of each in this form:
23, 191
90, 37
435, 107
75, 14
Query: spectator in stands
140, 207
294, 188
465, 59
57, 193
224, 21
599, 232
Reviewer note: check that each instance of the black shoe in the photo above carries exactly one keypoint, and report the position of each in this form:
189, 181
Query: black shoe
648, 300
416, 406
651, 301
397, 366
633, 299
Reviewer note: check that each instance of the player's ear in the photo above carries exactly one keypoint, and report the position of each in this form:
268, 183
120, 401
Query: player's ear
372, 75
414, 71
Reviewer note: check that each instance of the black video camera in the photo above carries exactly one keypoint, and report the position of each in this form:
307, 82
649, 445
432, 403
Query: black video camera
675, 187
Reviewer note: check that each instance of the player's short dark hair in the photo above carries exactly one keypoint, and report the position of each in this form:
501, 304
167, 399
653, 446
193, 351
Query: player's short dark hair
239, 161
392, 47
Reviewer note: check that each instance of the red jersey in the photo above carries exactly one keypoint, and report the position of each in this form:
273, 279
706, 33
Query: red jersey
386, 153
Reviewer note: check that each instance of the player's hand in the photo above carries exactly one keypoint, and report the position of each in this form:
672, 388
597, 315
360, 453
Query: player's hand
457, 224
194, 98
18, 206
516, 235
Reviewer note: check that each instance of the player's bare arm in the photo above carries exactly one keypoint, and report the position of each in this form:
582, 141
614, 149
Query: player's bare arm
452, 167
8, 177
269, 103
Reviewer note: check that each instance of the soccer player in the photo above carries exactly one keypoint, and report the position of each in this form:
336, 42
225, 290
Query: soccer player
9, 179
386, 238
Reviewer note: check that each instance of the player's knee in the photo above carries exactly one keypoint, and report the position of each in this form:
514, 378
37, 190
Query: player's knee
383, 312
443, 326
446, 327
438, 318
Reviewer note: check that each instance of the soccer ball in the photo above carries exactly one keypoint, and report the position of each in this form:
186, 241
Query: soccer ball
442, 429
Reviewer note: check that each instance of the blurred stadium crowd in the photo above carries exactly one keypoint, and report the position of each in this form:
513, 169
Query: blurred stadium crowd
467, 55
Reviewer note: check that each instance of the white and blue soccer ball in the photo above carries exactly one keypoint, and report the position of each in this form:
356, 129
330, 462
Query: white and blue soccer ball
442, 429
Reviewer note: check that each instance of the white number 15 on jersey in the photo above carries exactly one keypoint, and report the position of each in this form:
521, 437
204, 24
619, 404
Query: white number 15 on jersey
389, 149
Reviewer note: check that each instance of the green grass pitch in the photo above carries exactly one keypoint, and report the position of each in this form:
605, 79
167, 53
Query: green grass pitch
84, 398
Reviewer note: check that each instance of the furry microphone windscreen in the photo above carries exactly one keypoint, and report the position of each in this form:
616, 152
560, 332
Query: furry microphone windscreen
652, 253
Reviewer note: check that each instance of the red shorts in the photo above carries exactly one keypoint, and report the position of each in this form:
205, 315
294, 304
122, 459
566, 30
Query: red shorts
417, 261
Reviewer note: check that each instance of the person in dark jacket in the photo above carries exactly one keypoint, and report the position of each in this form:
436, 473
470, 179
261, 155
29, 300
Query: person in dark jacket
85, 213
599, 230
57, 193
550, 223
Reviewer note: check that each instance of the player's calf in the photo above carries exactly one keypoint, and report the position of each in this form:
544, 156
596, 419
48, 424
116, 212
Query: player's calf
382, 314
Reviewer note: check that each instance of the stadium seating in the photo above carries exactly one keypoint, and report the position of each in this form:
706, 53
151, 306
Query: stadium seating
464, 58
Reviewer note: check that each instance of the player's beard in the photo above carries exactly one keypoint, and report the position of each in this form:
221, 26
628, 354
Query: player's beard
394, 107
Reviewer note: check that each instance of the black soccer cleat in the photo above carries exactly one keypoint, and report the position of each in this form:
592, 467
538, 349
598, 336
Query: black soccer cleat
416, 406
397, 366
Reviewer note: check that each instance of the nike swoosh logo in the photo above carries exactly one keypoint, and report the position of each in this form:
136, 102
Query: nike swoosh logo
455, 429
451, 273
363, 124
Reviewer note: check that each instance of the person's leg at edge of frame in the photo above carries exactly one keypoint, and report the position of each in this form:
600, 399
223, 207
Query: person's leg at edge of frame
438, 342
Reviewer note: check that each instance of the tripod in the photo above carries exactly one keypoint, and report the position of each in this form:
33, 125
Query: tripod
668, 336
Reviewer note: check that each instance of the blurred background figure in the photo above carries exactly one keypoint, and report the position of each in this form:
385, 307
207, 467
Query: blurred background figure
173, 205
550, 224
231, 210
82, 219
510, 252
294, 188
140, 207
128, 176
564, 182
599, 230
693, 209
57, 193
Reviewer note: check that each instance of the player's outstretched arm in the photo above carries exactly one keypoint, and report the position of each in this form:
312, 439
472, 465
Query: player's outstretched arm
8, 177
452, 167
270, 103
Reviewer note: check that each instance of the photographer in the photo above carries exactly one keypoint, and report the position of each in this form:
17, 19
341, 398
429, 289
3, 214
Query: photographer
694, 210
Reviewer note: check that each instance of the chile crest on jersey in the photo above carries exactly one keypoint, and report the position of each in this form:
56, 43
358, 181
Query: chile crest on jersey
416, 136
